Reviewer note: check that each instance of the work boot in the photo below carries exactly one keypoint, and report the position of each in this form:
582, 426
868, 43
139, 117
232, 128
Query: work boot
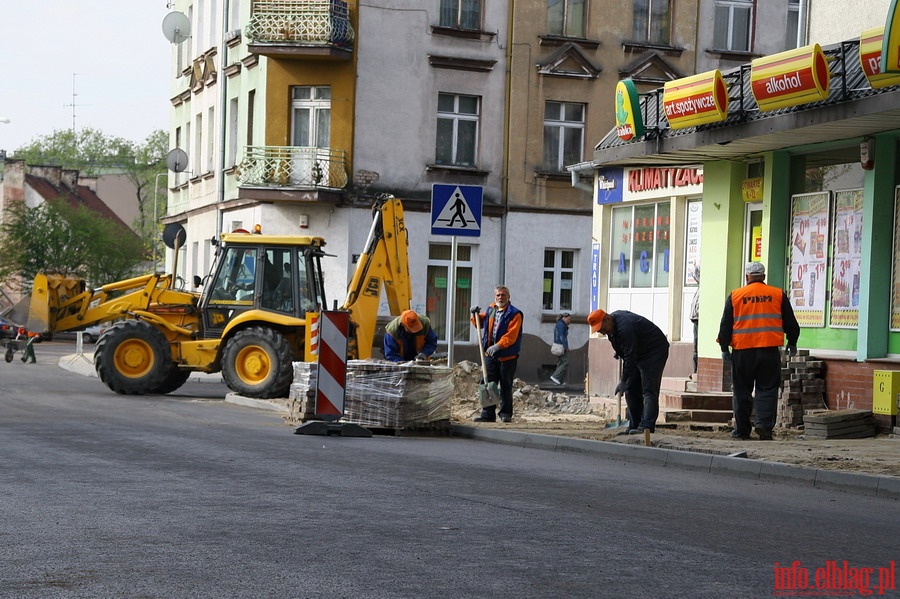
763, 434
486, 416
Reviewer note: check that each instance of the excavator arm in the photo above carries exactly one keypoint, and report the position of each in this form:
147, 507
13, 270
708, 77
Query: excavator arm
64, 303
383, 263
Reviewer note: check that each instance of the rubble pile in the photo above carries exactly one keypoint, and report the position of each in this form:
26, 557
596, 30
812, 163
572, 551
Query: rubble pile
802, 388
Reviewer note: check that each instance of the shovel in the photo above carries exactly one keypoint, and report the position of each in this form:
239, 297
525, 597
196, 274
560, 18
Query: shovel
488, 393
620, 422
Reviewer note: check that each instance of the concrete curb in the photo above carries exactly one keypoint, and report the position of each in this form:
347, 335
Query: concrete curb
867, 484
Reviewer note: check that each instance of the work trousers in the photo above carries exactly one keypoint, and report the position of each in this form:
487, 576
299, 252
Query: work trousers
642, 391
503, 374
758, 367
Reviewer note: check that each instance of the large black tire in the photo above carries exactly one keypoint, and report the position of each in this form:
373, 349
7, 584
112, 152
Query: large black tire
174, 380
133, 358
257, 362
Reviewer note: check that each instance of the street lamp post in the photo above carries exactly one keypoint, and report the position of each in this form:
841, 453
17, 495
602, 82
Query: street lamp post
156, 218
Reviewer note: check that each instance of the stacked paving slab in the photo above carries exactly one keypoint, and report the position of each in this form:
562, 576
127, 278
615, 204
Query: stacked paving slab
802, 388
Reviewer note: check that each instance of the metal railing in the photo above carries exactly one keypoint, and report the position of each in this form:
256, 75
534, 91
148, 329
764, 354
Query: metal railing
293, 166
303, 21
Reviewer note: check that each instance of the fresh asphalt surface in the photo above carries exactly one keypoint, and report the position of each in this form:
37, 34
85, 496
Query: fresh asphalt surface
188, 496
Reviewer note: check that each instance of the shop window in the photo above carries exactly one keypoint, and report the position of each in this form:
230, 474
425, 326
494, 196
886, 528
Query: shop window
651, 21
563, 134
457, 130
640, 246
437, 292
559, 279
732, 26
566, 17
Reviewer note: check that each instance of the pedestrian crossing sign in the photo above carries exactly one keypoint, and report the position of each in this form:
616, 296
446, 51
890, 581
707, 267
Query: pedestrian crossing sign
456, 210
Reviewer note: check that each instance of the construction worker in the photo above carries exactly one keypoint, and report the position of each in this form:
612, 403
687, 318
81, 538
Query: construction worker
501, 339
644, 351
409, 337
755, 321
28, 338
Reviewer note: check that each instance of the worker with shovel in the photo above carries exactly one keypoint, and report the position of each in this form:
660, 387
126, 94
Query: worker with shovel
500, 341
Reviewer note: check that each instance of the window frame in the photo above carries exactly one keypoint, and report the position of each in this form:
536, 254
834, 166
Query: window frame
556, 286
655, 270
456, 117
732, 6
458, 20
568, 12
645, 33
563, 125
317, 106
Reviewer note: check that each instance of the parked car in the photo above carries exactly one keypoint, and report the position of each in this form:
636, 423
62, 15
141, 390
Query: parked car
91, 334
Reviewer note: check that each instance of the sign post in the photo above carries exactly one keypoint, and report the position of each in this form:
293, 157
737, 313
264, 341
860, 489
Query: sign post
455, 211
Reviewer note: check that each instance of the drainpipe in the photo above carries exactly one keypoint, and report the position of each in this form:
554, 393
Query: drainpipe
575, 170
223, 117
504, 185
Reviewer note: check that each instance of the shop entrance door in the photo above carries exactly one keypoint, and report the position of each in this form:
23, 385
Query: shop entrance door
753, 213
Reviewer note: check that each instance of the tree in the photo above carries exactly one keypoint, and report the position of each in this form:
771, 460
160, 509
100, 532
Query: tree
93, 153
54, 237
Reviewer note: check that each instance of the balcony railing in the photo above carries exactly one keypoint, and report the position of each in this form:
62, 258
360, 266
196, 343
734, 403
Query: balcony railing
309, 22
293, 166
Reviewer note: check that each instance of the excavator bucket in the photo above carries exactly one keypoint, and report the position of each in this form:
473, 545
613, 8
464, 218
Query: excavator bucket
48, 293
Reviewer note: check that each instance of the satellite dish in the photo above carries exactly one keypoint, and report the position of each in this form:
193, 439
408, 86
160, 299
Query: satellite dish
174, 234
176, 27
176, 160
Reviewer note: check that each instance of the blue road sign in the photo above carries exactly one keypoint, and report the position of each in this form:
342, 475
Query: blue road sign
456, 210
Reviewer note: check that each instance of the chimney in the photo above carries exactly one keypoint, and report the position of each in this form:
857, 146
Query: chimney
13, 181
89, 182
50, 173
69, 178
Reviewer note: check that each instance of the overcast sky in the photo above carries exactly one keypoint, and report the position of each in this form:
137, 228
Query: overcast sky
116, 50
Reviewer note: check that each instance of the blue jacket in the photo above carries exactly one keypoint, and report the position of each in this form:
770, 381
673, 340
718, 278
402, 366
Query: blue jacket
509, 335
561, 333
402, 346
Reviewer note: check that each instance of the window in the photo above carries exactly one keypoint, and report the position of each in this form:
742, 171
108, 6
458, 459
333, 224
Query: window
651, 21
457, 130
732, 25
565, 17
559, 277
210, 140
251, 106
461, 14
198, 141
439, 255
793, 36
310, 116
563, 134
232, 131
639, 255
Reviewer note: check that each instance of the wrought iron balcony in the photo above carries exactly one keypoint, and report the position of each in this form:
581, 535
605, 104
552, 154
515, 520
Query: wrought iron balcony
293, 167
300, 28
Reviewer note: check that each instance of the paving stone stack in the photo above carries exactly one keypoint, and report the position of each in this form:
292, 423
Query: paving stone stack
380, 394
839, 424
802, 388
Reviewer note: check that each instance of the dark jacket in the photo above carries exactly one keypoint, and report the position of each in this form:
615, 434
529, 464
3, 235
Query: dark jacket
561, 333
636, 339
402, 346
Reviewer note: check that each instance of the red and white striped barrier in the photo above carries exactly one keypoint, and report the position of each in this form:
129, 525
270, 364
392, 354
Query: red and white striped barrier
331, 379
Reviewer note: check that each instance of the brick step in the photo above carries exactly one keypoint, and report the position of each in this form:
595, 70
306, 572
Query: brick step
677, 384
673, 416
695, 401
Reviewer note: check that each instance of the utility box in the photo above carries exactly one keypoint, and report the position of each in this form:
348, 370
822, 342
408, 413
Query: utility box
885, 387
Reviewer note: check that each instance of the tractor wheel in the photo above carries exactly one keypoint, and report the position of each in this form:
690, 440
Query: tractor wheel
133, 358
257, 362
173, 381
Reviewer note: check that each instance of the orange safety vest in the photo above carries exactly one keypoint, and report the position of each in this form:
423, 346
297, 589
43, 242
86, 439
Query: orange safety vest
757, 316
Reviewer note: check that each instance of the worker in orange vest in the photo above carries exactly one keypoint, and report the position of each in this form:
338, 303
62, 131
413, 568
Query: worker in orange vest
754, 324
28, 338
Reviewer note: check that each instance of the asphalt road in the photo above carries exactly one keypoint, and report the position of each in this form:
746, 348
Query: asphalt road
188, 496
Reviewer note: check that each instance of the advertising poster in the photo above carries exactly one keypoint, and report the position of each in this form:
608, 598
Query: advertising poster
895, 283
809, 255
692, 241
847, 252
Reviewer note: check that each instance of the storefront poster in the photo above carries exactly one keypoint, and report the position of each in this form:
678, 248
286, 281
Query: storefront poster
809, 255
895, 283
692, 240
847, 252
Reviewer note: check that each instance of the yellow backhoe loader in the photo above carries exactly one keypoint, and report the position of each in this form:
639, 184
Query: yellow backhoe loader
249, 322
